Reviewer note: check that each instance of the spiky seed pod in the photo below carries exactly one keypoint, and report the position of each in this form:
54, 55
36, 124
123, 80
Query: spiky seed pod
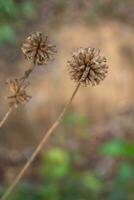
19, 95
36, 48
88, 66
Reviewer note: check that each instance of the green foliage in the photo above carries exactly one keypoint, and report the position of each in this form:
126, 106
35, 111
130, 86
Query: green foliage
11, 12
56, 163
10, 9
77, 123
50, 191
126, 171
75, 118
7, 34
27, 191
122, 183
28, 9
118, 147
59, 180
91, 182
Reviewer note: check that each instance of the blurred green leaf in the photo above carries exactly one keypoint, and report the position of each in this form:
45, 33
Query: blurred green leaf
21, 195
7, 34
126, 171
50, 191
75, 118
91, 182
11, 13
9, 8
56, 163
118, 147
28, 9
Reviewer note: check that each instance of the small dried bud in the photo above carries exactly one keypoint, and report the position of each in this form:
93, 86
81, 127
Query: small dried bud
88, 66
19, 95
37, 49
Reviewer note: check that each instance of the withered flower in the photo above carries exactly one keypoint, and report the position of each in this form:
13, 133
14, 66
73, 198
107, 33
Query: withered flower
88, 66
36, 48
19, 95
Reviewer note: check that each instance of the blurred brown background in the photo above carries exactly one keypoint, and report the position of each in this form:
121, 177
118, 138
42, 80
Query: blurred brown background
108, 108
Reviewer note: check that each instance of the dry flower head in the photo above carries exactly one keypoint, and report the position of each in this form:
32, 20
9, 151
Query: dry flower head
18, 90
88, 66
37, 49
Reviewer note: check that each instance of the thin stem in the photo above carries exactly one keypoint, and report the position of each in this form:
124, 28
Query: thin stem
40, 145
4, 119
27, 73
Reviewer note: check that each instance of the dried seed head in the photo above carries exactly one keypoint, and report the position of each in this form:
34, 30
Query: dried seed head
88, 66
37, 49
19, 95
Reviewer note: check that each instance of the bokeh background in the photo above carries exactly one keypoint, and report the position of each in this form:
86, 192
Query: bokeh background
91, 155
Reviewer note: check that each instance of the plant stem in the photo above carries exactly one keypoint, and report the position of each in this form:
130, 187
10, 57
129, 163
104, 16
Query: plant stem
27, 73
41, 144
5, 117
22, 79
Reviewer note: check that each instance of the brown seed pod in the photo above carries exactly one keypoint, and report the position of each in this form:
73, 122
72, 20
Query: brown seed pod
88, 66
36, 48
19, 95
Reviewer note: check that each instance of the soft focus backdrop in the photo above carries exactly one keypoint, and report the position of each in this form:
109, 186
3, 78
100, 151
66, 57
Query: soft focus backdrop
91, 155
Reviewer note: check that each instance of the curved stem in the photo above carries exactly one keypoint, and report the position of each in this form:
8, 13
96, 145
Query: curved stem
41, 144
5, 116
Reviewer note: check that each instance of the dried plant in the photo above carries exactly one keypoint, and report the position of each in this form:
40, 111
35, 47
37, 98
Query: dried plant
18, 90
87, 66
36, 49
